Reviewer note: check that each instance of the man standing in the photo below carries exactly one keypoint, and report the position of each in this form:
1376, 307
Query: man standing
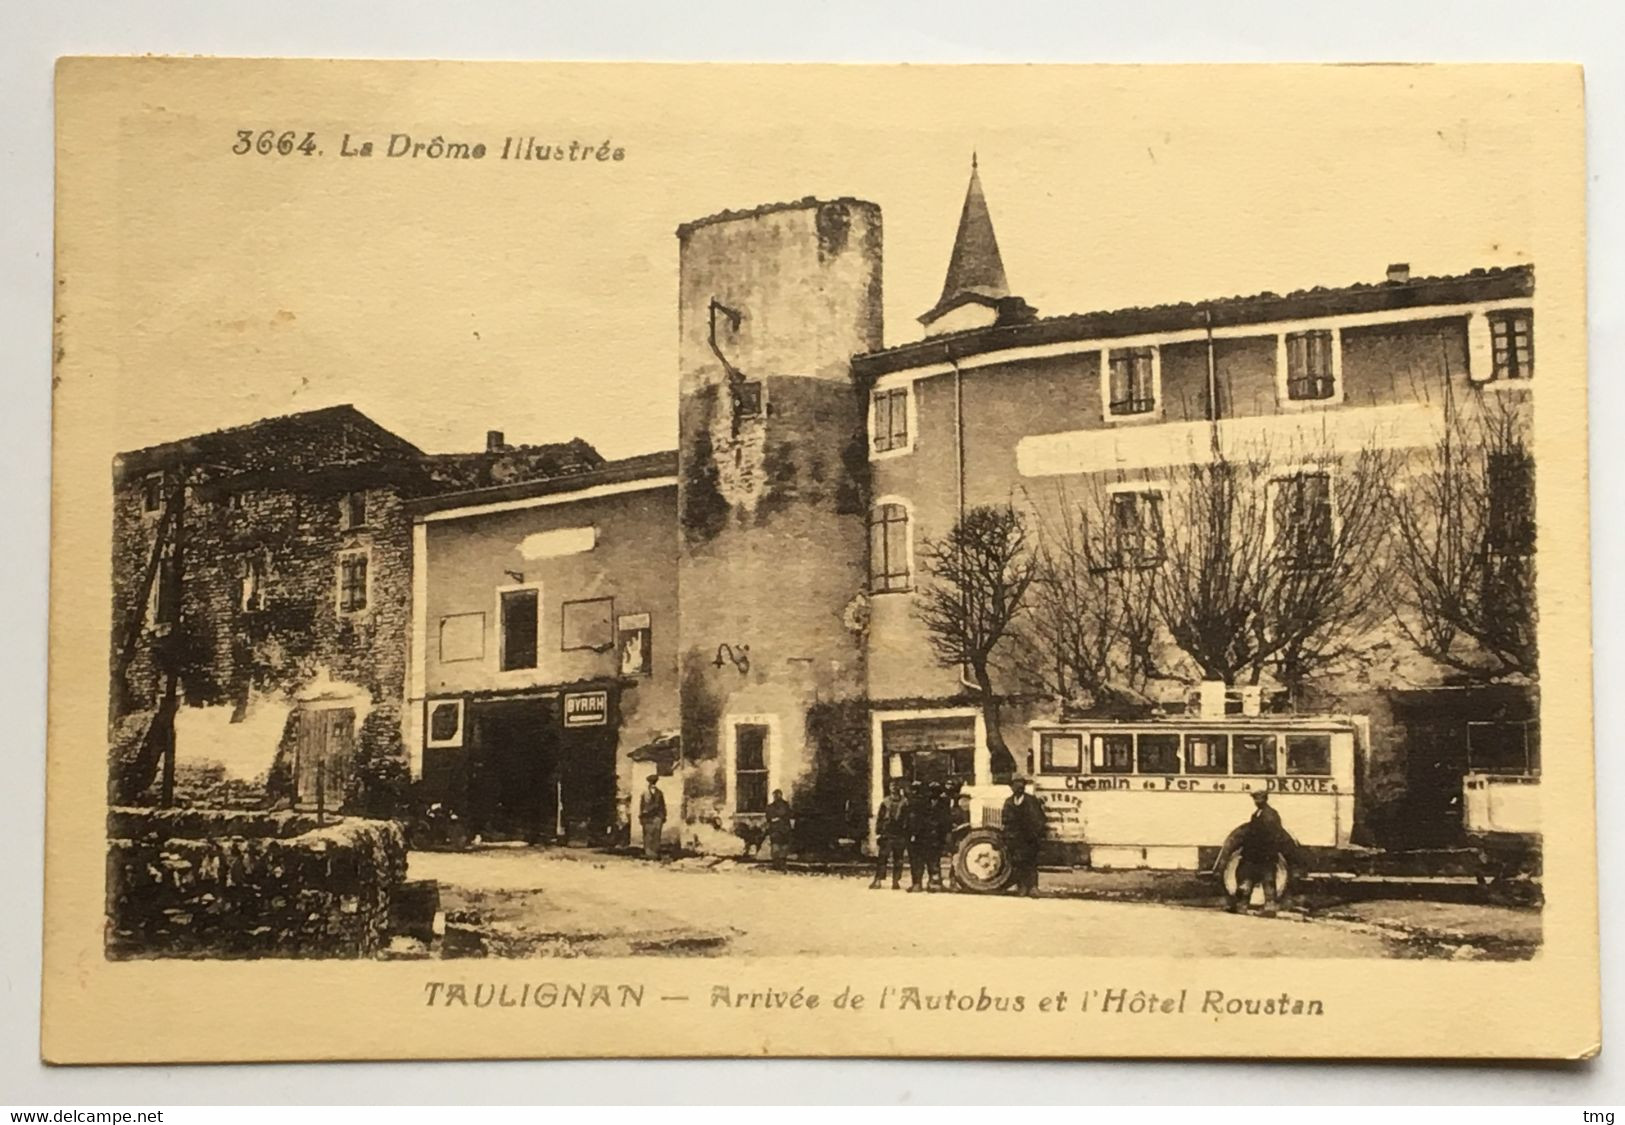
1263, 842
933, 835
652, 817
780, 820
923, 834
891, 837
1023, 823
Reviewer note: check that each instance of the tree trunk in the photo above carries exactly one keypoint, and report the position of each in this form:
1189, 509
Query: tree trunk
1000, 761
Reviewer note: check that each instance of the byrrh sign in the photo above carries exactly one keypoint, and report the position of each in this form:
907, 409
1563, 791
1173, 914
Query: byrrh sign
586, 708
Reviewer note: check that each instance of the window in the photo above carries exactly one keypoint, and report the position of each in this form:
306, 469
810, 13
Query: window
353, 510
1207, 753
1131, 382
1255, 754
632, 634
462, 637
353, 581
445, 727
152, 493
1308, 754
251, 574
747, 398
1503, 747
1061, 753
888, 548
1310, 373
521, 620
1512, 343
1111, 753
1159, 753
1136, 529
1303, 520
1510, 475
163, 596
890, 422
588, 624
935, 749
750, 768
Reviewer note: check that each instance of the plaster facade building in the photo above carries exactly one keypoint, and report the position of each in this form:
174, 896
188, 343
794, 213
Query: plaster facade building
996, 405
544, 650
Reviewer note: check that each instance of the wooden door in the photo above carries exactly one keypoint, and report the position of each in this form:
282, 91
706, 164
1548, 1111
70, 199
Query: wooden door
324, 753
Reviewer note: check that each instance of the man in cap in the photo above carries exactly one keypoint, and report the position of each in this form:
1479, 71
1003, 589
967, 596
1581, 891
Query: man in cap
780, 821
652, 817
891, 836
1023, 824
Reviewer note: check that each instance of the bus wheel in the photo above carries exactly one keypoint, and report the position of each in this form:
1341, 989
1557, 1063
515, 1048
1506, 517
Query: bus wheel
982, 861
1232, 879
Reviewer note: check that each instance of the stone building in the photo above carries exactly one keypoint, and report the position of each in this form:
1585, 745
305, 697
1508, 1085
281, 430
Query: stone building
262, 604
772, 304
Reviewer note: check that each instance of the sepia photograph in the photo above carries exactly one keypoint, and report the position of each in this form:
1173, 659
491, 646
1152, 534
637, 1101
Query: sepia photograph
538, 523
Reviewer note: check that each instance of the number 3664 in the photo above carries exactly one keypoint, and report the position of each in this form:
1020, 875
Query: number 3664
269, 142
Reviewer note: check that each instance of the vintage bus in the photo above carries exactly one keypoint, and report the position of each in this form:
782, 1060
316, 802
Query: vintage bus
1166, 793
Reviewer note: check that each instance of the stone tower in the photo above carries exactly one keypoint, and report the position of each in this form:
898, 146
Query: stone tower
772, 496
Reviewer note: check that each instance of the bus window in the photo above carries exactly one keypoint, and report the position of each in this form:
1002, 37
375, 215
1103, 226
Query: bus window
1061, 753
1255, 754
1207, 753
1112, 753
1308, 753
1159, 753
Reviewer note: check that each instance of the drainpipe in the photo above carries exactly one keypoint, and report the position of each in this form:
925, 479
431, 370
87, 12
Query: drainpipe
959, 466
1212, 382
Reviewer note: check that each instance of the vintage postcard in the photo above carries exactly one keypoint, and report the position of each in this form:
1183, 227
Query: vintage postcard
581, 560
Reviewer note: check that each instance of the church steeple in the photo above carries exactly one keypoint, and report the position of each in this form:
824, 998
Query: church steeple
975, 279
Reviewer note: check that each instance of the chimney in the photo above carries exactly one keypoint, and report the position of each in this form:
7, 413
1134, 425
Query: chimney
1399, 273
494, 442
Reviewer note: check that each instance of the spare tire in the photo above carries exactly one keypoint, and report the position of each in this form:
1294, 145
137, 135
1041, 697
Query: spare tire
1283, 875
982, 862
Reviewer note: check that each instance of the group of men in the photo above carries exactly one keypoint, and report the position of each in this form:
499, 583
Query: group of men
920, 821
917, 821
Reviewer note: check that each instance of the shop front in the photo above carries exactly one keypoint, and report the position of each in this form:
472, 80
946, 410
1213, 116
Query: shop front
537, 766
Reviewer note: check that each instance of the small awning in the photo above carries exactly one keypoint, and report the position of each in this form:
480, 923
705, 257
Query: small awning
663, 749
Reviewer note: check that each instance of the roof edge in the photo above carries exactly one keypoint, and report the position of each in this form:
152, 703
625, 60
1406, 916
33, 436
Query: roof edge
649, 466
806, 202
1492, 283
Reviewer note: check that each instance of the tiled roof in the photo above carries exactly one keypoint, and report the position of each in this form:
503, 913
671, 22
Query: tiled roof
1259, 308
511, 464
332, 436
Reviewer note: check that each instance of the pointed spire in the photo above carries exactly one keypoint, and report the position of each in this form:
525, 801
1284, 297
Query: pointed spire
975, 269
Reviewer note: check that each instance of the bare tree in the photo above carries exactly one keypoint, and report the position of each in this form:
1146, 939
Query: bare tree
1092, 628
1274, 568
1330, 577
982, 570
1464, 544
1213, 585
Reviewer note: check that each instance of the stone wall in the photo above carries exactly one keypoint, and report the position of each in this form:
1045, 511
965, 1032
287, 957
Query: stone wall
205, 883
